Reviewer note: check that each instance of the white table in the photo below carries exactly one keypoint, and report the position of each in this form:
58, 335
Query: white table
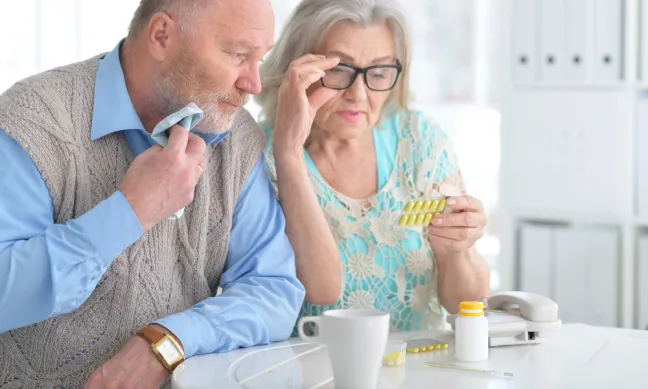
579, 356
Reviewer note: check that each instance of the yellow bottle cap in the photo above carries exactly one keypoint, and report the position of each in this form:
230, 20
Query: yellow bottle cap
471, 305
471, 308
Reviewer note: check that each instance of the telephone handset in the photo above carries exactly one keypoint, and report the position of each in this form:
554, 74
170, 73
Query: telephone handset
518, 318
530, 306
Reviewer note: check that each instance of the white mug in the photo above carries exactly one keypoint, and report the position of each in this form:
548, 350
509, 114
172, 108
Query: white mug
356, 340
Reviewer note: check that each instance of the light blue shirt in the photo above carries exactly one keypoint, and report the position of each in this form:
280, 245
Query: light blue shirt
49, 269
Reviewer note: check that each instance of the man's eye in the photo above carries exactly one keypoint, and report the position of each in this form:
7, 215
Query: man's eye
239, 56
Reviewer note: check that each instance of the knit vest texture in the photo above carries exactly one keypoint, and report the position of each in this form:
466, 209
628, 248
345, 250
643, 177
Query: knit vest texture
173, 266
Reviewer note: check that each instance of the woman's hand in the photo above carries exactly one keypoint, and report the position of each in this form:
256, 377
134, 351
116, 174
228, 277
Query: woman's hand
295, 110
457, 231
316, 255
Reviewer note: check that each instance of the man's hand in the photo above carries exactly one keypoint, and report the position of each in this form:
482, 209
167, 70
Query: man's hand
133, 367
162, 180
457, 231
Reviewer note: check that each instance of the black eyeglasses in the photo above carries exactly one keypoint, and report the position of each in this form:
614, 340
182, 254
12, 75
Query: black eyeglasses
377, 78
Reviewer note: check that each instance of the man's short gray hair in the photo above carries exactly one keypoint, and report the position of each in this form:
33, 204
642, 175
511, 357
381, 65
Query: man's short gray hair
305, 30
183, 11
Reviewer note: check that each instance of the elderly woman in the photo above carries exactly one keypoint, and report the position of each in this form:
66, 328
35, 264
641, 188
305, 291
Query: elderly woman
346, 155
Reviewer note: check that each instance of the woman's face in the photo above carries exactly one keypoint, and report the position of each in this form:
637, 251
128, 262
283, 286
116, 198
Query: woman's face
356, 109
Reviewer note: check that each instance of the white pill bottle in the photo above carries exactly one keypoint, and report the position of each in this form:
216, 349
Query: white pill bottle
471, 332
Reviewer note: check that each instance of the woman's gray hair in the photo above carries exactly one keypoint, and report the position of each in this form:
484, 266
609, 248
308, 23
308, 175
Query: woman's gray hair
305, 30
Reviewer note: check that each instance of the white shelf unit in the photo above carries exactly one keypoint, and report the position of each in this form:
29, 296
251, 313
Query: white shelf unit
574, 178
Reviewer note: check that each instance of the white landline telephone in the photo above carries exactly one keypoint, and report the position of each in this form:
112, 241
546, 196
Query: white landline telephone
516, 318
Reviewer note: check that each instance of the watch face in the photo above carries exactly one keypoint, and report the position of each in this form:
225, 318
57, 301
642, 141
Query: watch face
169, 351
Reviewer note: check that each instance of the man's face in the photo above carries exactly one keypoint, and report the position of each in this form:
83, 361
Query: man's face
217, 67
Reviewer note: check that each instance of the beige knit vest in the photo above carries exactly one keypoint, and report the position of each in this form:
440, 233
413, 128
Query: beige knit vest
172, 267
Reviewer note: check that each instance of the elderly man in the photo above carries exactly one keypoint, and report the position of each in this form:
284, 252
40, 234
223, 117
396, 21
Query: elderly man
100, 286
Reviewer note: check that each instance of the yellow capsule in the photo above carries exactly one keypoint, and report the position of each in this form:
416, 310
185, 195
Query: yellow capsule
438, 346
445, 345
419, 219
412, 220
434, 205
417, 206
441, 205
426, 206
413, 350
409, 207
428, 217
403, 220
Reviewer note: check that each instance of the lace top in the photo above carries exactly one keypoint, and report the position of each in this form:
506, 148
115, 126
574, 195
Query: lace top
387, 267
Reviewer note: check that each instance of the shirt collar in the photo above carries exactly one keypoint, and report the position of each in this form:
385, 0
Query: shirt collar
113, 109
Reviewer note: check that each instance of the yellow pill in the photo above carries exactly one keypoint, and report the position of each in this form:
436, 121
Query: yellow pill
441, 205
413, 350
426, 206
428, 217
409, 207
419, 219
434, 205
438, 347
417, 206
444, 346
412, 220
393, 356
394, 359
403, 220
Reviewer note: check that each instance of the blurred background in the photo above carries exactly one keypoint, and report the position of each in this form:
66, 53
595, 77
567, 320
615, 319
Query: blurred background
543, 99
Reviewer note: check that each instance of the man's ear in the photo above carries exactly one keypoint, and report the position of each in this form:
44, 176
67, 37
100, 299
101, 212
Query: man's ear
162, 36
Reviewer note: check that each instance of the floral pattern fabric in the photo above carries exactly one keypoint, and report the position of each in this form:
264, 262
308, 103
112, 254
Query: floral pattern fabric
387, 267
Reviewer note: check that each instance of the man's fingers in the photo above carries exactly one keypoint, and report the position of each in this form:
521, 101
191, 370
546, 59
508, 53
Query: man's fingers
178, 138
196, 147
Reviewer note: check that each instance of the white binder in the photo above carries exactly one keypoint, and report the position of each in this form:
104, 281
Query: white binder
524, 32
578, 16
641, 149
552, 41
643, 41
536, 257
587, 275
607, 54
642, 282
602, 268
571, 288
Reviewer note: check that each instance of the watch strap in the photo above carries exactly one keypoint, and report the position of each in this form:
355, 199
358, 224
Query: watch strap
153, 335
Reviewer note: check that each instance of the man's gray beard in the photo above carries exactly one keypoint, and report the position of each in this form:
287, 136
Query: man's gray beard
214, 121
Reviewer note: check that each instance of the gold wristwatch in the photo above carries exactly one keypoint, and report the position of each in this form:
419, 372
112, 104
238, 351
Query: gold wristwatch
166, 347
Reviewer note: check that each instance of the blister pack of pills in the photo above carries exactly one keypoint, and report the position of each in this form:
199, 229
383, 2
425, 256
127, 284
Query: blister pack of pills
421, 212
425, 345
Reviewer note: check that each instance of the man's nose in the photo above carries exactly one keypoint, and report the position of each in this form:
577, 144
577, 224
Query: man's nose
249, 80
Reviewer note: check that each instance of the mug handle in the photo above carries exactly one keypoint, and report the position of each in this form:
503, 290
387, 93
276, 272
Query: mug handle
300, 328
